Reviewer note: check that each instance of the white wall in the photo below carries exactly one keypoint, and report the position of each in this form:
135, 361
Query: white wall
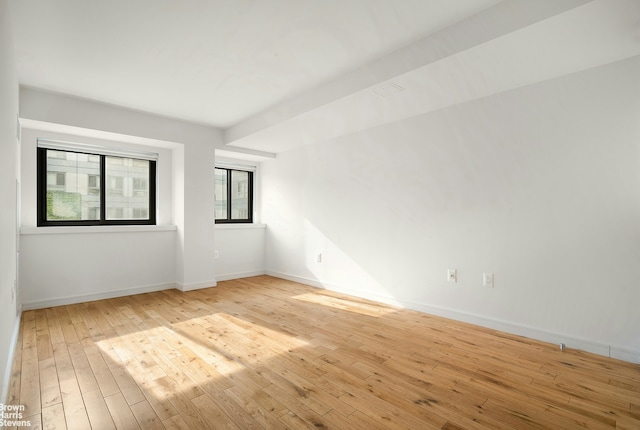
196, 233
539, 185
117, 261
241, 251
8, 196
68, 267
65, 265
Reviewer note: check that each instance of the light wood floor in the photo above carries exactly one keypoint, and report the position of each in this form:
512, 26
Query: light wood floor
267, 353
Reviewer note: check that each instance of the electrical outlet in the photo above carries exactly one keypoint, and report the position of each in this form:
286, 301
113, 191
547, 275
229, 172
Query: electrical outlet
319, 257
452, 275
487, 280
216, 254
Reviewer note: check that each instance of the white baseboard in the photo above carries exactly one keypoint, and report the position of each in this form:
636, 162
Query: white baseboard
624, 354
198, 286
239, 275
492, 323
12, 352
95, 296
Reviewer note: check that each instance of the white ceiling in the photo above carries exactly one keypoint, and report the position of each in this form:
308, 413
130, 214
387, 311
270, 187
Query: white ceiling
212, 61
277, 74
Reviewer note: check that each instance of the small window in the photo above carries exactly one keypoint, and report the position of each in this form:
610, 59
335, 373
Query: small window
233, 196
71, 184
140, 187
93, 185
140, 213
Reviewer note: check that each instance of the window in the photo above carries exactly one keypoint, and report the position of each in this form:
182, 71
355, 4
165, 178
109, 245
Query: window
71, 184
233, 196
93, 184
140, 187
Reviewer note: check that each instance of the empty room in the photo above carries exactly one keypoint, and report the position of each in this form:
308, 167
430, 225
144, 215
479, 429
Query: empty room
323, 214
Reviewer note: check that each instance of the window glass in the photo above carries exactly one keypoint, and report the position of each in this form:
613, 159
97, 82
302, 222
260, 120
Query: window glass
90, 189
240, 194
221, 194
68, 189
127, 188
233, 196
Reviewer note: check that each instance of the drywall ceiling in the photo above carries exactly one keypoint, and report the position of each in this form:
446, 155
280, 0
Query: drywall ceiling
509, 46
212, 61
278, 74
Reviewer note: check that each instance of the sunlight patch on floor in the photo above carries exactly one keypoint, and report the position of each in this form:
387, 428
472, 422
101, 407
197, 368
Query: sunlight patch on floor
345, 305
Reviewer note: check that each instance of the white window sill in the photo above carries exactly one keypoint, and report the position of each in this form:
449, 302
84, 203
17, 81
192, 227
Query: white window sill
239, 226
97, 229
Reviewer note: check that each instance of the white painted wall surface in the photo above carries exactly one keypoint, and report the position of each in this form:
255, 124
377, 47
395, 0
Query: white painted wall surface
539, 185
62, 268
9, 154
241, 250
196, 233
188, 151
62, 265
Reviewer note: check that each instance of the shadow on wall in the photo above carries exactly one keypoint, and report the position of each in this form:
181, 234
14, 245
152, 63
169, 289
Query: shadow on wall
537, 185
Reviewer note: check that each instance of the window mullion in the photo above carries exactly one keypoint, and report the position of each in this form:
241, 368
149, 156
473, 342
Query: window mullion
229, 195
250, 194
103, 189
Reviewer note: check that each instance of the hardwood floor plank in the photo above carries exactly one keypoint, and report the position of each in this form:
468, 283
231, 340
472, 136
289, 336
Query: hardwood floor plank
84, 373
146, 416
216, 417
127, 385
267, 353
68, 330
30, 381
176, 423
53, 417
97, 410
49, 385
74, 411
103, 376
264, 409
159, 394
121, 413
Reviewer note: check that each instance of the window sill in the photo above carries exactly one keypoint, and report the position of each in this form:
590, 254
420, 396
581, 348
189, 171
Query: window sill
97, 229
239, 226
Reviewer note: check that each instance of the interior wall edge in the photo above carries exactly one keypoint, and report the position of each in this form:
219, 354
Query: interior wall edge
239, 275
11, 356
196, 286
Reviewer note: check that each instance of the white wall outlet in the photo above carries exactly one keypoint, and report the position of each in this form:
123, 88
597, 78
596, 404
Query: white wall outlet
216, 254
487, 280
319, 257
452, 275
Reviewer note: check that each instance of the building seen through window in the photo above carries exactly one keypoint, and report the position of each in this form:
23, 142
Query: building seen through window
79, 188
233, 196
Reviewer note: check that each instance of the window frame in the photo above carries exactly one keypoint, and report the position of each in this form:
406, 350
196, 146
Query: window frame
250, 193
41, 195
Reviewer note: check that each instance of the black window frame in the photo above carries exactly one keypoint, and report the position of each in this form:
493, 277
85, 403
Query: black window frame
42, 220
228, 219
